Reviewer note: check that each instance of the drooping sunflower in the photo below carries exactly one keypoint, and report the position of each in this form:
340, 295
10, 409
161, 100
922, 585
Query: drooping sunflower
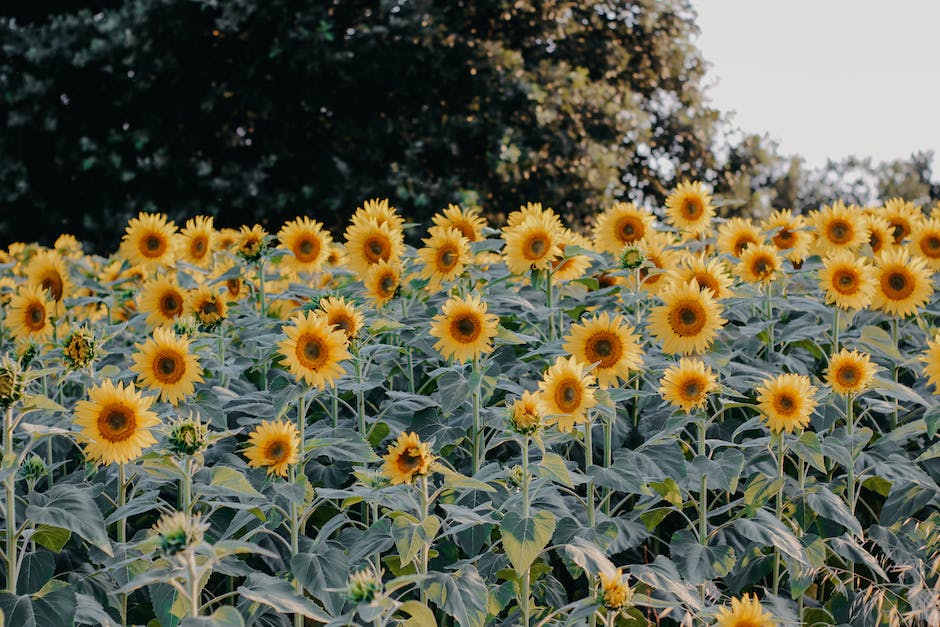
688, 384
689, 208
925, 242
445, 255
308, 243
737, 234
313, 349
850, 372
902, 283
165, 363
709, 274
29, 314
688, 320
566, 393
252, 242
115, 423
368, 243
616, 593
839, 227
786, 401
163, 300
468, 221
381, 212
532, 244
525, 414
275, 445
79, 348
148, 241
621, 224
464, 329
847, 280
382, 281
197, 241
788, 233
609, 342
48, 270
759, 264
931, 359
208, 306
880, 234
343, 315
903, 217
744, 612
407, 458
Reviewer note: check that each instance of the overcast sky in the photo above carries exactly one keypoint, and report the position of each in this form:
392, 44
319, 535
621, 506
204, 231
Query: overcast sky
828, 78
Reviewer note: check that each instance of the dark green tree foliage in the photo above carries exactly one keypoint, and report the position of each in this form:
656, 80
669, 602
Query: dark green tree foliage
266, 109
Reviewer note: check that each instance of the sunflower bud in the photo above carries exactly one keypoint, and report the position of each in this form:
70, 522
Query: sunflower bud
26, 352
363, 586
179, 531
186, 325
616, 593
632, 258
525, 416
11, 382
33, 469
188, 436
79, 348
515, 476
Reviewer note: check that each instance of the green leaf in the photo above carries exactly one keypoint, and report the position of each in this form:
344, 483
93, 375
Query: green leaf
343, 445
320, 571
525, 537
225, 616
461, 593
72, 508
553, 468
700, 563
808, 448
52, 606
589, 558
52, 538
420, 615
233, 481
759, 490
411, 535
905, 500
37, 569
279, 594
879, 341
669, 490
89, 612
456, 480
829, 506
766, 530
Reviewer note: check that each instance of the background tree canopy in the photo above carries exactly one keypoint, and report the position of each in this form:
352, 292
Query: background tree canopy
260, 110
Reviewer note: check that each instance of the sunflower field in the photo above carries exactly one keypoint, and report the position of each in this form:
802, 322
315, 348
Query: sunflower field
668, 419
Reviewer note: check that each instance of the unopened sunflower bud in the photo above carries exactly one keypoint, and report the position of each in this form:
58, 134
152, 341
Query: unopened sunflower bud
186, 325
515, 476
179, 531
79, 348
363, 586
188, 436
11, 382
616, 593
631, 258
525, 415
33, 469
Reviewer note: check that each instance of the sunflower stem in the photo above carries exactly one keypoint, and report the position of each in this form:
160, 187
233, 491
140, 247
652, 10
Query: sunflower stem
850, 470
186, 487
702, 500
781, 453
477, 439
122, 533
549, 304
10, 485
768, 291
194, 589
223, 379
588, 462
835, 330
894, 341
526, 577
426, 547
295, 538
334, 407
608, 458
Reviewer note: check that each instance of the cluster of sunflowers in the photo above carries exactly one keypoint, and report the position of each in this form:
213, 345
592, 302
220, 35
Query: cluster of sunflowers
230, 387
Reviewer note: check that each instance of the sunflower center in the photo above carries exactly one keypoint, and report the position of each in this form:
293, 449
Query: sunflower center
341, 321
387, 285
706, 281
35, 316
377, 247
605, 348
209, 307
847, 375
117, 423
466, 328
307, 249
741, 243
311, 351
199, 246
409, 460
687, 319
899, 231
897, 285
763, 267
465, 228
234, 286
845, 282
840, 232
52, 283
447, 258
277, 452
784, 403
568, 395
692, 208
171, 305
153, 245
691, 389
874, 240
169, 368
629, 229
536, 247
783, 239
930, 246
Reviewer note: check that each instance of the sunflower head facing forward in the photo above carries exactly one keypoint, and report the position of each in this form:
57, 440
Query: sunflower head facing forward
115, 423
464, 330
149, 241
786, 402
165, 363
609, 342
848, 281
850, 372
688, 321
566, 392
313, 349
689, 208
407, 458
902, 283
274, 445
744, 612
688, 384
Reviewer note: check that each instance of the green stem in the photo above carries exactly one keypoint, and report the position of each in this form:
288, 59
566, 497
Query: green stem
588, 462
702, 500
426, 548
122, 531
549, 304
781, 451
295, 541
770, 318
360, 396
334, 408
608, 458
835, 330
10, 485
801, 470
850, 470
195, 591
186, 487
526, 577
896, 368
477, 435
262, 305
220, 344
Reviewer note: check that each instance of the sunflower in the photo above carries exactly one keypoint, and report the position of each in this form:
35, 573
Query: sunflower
902, 283
566, 393
534, 210
148, 241
163, 301
29, 313
532, 244
788, 233
164, 363
525, 414
274, 444
445, 254
226, 239
616, 593
744, 612
467, 221
850, 372
710, 275
838, 226
621, 224
786, 402
79, 348
689, 208
408, 457
68, 246
343, 315
47, 269
234, 286
382, 282
688, 384
759, 264
464, 329
737, 234
663, 259
931, 359
571, 267
251, 242
313, 349
115, 423
688, 320
880, 234
902, 217
381, 212
608, 342
368, 243
925, 242
307, 242
208, 306
847, 280
197, 240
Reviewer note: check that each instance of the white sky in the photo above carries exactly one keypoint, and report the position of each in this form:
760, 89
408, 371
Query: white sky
828, 78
